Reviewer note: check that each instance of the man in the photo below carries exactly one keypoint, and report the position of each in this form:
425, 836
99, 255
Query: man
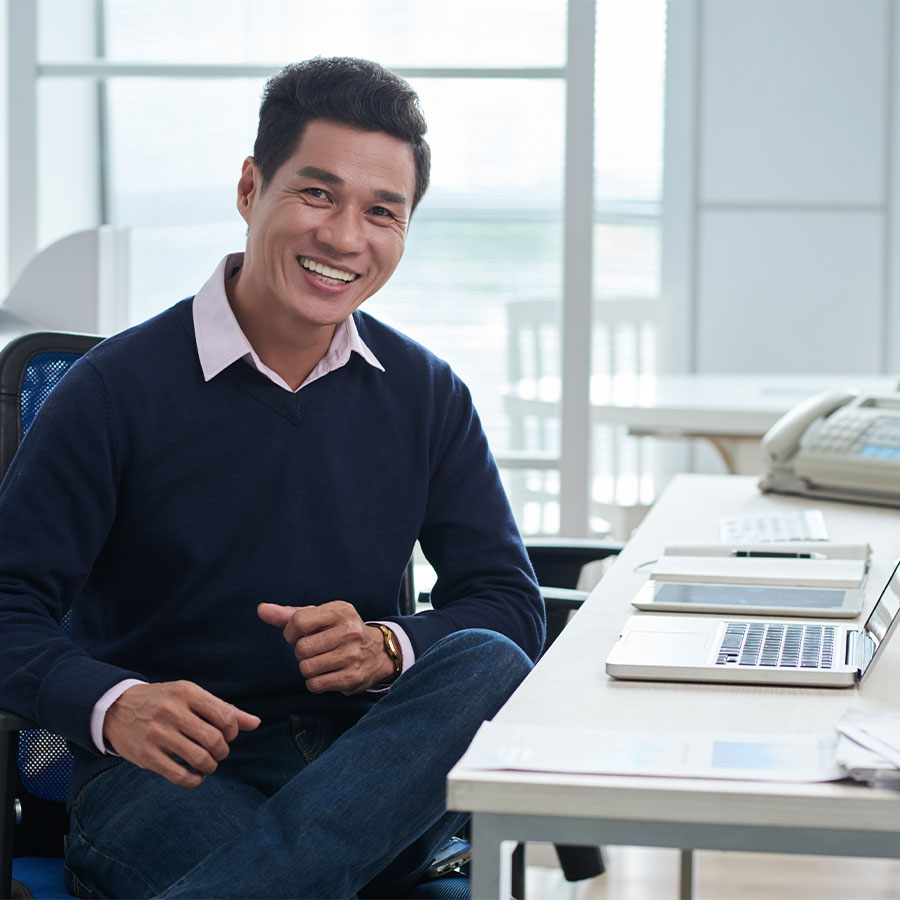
227, 496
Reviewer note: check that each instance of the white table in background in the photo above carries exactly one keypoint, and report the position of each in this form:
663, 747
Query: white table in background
731, 411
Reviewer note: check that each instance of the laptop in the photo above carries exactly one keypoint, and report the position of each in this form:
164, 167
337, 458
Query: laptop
708, 648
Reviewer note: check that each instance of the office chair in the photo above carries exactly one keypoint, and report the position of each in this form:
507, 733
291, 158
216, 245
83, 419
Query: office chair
35, 764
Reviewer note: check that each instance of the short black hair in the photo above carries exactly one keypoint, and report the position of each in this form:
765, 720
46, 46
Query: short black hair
343, 89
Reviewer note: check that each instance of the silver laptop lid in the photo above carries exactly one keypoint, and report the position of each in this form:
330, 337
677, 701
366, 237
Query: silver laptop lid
880, 625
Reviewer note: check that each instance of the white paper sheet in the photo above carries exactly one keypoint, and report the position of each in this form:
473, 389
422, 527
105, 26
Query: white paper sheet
831, 573
869, 747
537, 748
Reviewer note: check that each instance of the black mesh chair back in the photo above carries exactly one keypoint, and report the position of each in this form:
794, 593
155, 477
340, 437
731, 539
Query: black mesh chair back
30, 367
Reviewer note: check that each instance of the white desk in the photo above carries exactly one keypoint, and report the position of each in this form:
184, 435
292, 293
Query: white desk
731, 411
569, 686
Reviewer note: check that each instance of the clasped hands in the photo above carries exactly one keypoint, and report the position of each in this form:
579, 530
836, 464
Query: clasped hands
155, 725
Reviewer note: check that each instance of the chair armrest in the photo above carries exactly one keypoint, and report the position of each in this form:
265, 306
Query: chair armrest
11, 722
563, 598
559, 561
582, 548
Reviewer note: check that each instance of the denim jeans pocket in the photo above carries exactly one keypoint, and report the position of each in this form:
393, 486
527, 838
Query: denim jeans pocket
312, 736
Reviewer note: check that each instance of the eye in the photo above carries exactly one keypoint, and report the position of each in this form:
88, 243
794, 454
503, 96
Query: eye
381, 212
315, 193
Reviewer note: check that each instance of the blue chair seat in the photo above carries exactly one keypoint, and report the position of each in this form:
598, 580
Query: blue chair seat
43, 876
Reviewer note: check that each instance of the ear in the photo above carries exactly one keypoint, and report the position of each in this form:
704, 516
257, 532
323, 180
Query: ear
248, 187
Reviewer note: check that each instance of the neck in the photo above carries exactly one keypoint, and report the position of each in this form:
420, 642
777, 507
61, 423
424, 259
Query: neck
286, 348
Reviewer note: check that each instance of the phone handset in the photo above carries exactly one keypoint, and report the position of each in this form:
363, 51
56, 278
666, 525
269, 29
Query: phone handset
783, 438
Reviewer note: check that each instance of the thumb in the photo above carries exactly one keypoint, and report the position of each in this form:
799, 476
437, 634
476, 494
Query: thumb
275, 614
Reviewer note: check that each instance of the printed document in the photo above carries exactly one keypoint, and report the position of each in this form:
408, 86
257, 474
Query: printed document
539, 748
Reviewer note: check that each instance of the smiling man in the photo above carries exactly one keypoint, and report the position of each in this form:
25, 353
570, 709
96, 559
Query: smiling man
226, 497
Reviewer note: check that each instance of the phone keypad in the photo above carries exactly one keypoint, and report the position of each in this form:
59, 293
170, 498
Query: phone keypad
881, 440
852, 434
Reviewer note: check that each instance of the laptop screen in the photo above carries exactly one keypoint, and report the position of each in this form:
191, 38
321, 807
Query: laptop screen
883, 619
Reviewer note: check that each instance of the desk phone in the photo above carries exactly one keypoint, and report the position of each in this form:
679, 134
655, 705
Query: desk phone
838, 444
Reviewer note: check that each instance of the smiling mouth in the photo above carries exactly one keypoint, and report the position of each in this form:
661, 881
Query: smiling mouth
326, 273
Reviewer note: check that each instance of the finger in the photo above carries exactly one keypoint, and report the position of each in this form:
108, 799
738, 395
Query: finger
309, 620
246, 721
345, 681
294, 621
333, 623
322, 642
324, 663
205, 707
208, 737
173, 771
193, 756
339, 671
275, 614
220, 714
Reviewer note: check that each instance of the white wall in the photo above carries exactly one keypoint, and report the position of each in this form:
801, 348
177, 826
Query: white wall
781, 240
51, 127
68, 136
4, 143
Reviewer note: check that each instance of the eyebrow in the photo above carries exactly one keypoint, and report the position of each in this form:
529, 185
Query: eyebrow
331, 178
391, 197
320, 174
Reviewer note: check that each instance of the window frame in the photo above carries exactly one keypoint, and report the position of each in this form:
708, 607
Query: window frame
574, 459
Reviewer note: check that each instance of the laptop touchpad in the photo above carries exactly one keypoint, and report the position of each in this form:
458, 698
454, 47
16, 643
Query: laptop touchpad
666, 647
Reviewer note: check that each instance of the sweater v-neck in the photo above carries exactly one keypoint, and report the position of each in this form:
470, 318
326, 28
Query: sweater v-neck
294, 406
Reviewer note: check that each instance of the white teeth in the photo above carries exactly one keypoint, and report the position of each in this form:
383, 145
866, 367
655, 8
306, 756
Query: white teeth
327, 271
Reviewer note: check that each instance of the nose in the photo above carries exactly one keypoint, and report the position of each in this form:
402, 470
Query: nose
341, 230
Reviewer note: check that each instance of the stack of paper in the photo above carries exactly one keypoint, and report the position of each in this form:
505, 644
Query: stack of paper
868, 747
820, 564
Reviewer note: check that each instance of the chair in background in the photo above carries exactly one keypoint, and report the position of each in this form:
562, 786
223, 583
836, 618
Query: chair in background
35, 764
625, 465
558, 564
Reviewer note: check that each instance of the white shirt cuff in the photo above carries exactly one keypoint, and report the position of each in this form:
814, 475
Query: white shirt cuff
406, 650
98, 714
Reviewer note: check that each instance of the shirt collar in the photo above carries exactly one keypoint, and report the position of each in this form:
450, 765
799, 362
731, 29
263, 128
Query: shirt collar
220, 341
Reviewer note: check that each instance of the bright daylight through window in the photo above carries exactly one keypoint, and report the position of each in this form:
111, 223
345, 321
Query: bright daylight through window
482, 279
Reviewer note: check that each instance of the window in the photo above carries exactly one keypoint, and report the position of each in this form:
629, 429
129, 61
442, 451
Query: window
157, 100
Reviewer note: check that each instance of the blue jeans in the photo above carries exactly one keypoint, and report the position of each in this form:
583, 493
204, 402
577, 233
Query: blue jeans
306, 807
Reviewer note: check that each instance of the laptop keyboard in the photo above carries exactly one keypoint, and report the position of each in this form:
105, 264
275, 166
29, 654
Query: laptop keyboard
774, 644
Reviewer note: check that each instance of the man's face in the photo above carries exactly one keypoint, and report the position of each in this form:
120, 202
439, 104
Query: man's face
329, 229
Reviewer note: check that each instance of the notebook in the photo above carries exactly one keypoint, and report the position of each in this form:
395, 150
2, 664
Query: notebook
799, 578
709, 648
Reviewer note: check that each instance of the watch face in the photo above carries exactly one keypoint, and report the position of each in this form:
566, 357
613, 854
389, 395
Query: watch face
392, 647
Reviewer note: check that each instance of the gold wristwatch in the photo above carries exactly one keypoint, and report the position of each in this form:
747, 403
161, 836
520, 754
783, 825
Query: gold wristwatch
392, 646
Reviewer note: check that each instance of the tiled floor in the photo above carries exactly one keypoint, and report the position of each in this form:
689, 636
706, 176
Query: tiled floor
637, 873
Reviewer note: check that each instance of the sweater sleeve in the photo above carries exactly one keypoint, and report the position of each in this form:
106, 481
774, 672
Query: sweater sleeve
57, 505
484, 577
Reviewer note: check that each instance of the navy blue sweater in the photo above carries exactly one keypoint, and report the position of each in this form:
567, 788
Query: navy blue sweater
163, 509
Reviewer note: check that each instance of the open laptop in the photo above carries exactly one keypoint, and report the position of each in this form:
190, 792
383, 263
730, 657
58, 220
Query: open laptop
708, 648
